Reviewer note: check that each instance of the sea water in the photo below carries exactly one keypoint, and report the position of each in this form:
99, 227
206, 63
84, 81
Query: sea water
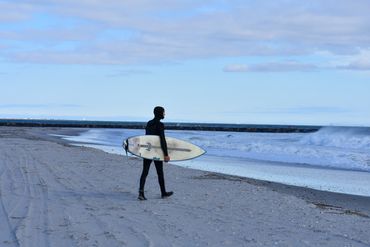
333, 159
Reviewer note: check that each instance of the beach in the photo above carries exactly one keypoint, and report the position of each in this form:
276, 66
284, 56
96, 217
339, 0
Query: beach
56, 194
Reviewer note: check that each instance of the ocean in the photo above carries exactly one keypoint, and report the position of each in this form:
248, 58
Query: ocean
332, 158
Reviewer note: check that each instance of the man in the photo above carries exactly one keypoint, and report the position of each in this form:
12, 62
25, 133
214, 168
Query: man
155, 127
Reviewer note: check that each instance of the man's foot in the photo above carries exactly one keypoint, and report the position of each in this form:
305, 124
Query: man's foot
167, 194
141, 196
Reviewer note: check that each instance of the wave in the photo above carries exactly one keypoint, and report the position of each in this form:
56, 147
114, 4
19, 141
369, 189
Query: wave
335, 147
340, 137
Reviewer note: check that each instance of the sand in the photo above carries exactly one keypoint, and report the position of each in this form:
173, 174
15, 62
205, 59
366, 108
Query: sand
55, 194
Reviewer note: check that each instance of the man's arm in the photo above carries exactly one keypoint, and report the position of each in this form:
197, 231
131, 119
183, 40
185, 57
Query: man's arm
163, 143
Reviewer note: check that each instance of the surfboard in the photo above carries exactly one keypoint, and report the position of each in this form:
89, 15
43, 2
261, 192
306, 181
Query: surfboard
149, 147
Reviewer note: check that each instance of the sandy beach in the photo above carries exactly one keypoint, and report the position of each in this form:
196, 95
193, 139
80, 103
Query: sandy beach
56, 194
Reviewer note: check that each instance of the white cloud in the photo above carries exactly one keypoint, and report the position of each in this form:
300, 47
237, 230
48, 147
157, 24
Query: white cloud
237, 68
270, 67
129, 72
16, 11
357, 65
167, 30
358, 61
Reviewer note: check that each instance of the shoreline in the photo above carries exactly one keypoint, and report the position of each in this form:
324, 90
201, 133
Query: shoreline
298, 191
82, 196
300, 175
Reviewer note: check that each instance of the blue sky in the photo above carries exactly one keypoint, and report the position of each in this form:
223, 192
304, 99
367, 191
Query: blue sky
241, 61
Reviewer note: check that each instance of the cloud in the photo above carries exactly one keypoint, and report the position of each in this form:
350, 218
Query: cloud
307, 110
356, 65
20, 11
143, 31
129, 72
38, 106
271, 67
312, 110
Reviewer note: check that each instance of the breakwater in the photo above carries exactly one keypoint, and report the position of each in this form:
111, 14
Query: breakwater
169, 125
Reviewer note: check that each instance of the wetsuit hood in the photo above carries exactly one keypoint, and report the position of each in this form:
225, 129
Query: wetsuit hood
158, 112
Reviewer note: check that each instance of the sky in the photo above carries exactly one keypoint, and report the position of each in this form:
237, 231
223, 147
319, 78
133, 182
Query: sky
223, 61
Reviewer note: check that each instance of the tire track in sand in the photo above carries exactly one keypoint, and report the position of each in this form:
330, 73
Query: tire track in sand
7, 233
98, 232
50, 219
118, 228
36, 223
85, 230
25, 200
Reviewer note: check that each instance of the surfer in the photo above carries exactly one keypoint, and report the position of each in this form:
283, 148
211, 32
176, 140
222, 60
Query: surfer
155, 127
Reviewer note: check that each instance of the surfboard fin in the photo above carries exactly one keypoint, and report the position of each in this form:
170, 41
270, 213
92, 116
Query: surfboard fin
125, 146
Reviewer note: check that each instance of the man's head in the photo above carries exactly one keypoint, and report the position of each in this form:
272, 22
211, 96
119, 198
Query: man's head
159, 112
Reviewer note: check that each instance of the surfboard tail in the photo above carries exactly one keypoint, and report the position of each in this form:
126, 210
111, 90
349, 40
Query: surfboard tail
125, 146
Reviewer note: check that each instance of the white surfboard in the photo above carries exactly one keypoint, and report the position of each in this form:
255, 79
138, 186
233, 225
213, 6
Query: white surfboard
149, 147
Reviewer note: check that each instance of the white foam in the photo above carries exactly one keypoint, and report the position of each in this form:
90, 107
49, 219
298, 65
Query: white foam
341, 137
325, 148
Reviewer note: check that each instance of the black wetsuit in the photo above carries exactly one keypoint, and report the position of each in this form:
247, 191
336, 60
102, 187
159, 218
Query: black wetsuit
155, 127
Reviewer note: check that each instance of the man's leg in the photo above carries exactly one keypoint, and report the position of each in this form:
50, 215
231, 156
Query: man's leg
144, 174
159, 168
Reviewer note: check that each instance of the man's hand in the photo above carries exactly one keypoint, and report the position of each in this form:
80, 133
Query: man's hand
167, 158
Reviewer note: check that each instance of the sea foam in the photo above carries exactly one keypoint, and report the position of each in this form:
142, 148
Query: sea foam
331, 147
